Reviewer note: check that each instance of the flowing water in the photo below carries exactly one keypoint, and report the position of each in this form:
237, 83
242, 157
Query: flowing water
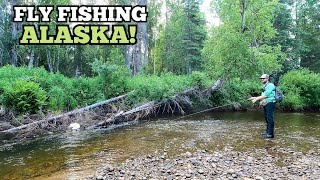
75, 155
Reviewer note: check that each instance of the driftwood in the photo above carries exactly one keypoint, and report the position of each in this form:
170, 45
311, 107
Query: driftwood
142, 111
68, 114
201, 95
216, 86
149, 107
137, 113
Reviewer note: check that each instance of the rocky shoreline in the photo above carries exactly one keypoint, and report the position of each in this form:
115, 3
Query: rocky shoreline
272, 163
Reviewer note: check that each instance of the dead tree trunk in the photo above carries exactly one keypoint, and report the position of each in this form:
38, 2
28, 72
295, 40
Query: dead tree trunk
133, 114
150, 108
139, 112
57, 118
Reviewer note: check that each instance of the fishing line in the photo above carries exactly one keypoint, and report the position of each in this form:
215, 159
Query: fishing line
208, 110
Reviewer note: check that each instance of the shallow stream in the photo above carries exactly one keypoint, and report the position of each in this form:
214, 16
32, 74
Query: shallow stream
75, 155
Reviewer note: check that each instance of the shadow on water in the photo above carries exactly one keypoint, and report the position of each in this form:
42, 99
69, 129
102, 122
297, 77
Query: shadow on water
74, 155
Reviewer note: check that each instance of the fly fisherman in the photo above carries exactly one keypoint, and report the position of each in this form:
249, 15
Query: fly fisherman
267, 101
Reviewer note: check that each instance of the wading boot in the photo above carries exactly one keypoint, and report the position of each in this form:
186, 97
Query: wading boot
264, 133
267, 136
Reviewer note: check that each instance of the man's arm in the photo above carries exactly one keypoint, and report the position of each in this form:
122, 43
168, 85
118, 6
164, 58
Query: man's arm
258, 98
268, 90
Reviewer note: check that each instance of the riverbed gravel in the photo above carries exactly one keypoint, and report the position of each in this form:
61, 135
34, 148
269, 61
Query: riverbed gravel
256, 164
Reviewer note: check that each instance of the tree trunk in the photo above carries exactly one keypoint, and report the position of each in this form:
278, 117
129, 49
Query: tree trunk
155, 53
58, 59
137, 56
14, 36
3, 16
49, 61
243, 15
68, 114
127, 55
144, 37
78, 60
31, 59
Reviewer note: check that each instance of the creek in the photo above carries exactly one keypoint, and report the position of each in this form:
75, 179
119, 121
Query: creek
77, 154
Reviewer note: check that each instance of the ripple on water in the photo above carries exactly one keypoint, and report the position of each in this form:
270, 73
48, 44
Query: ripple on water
74, 155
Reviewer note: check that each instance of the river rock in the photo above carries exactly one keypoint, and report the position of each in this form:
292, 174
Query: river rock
231, 171
259, 178
194, 162
188, 154
249, 159
213, 165
246, 178
201, 165
200, 171
99, 177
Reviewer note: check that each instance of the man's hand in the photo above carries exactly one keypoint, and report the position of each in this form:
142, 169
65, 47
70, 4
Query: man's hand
253, 99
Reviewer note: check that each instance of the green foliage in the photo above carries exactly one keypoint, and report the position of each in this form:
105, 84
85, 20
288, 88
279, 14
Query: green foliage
113, 78
239, 47
308, 33
193, 35
237, 89
24, 97
173, 53
200, 79
146, 88
116, 56
182, 39
63, 93
87, 91
301, 89
293, 100
283, 23
57, 98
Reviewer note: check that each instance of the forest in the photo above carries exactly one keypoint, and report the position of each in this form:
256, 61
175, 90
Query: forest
179, 47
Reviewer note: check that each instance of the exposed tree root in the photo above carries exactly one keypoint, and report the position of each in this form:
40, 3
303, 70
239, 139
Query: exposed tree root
104, 114
58, 119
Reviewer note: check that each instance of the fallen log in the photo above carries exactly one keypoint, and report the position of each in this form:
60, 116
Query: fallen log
216, 86
201, 95
124, 115
68, 114
176, 99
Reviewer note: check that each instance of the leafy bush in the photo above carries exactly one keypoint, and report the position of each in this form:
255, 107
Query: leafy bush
146, 88
57, 98
301, 89
113, 78
239, 90
63, 93
24, 97
200, 79
87, 91
293, 100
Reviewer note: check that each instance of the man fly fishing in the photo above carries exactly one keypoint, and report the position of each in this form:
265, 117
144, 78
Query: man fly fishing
267, 101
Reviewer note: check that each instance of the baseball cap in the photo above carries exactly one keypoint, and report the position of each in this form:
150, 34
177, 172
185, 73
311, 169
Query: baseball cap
264, 76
